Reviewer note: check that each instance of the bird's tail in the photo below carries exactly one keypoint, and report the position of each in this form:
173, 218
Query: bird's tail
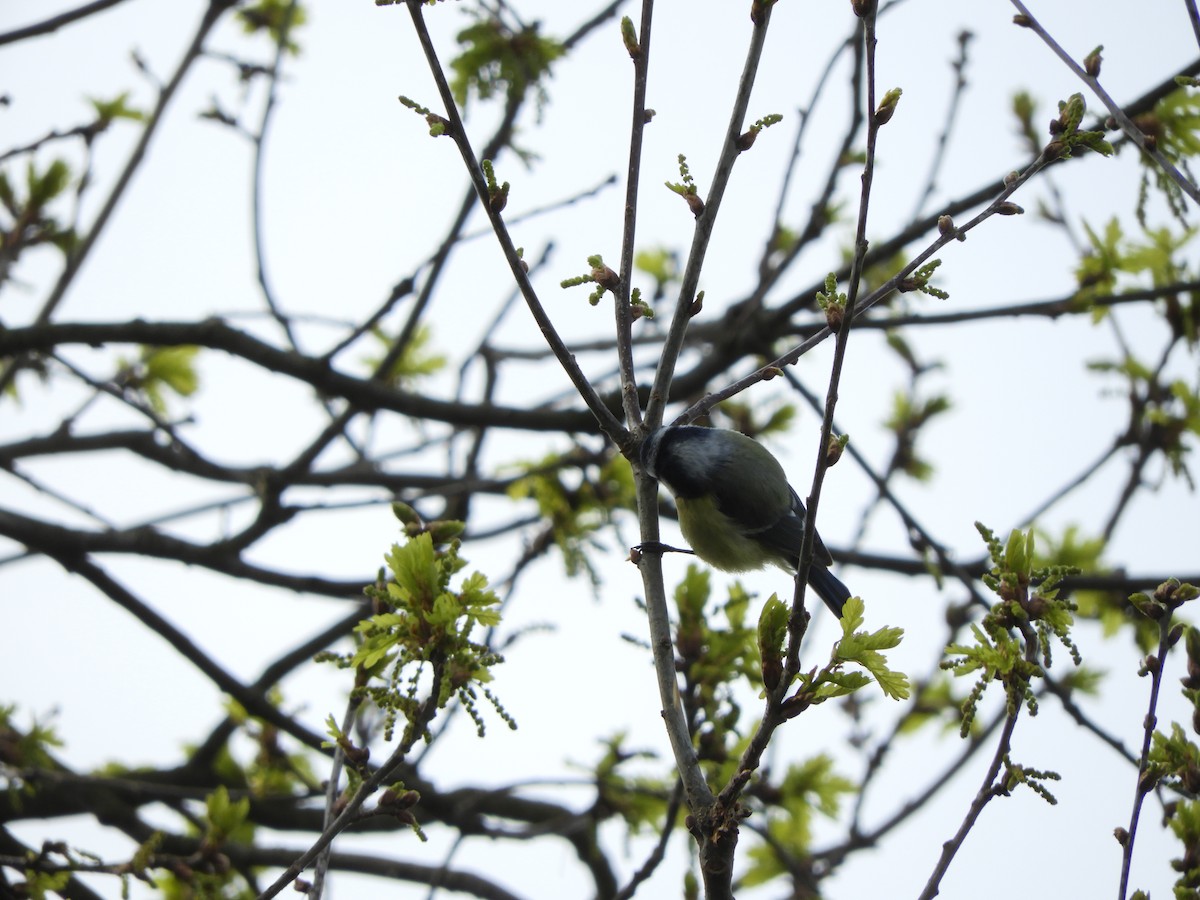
829, 588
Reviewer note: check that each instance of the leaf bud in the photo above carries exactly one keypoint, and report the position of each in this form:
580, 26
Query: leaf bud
1146, 606
606, 277
405, 513
1149, 779
358, 756
1056, 150
1175, 634
1008, 208
402, 800
746, 140
1191, 779
1192, 644
835, 448
498, 198
629, 38
1022, 20
445, 530
887, 106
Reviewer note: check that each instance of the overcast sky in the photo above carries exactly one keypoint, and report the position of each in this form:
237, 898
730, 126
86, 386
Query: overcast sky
356, 196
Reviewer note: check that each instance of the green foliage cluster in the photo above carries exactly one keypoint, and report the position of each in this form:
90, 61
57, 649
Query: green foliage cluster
807, 788
30, 222
909, 415
1165, 416
640, 800
1013, 642
272, 771
1173, 129
416, 360
495, 59
25, 748
278, 19
859, 648
576, 512
420, 639
1111, 609
1155, 263
717, 652
1067, 136
208, 873
1173, 761
158, 370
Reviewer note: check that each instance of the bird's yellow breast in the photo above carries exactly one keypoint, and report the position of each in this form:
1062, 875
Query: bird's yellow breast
717, 540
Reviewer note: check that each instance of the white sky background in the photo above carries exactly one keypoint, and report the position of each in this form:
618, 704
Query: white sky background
356, 196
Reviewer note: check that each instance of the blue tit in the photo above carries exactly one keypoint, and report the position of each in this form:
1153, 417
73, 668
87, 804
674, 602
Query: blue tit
736, 508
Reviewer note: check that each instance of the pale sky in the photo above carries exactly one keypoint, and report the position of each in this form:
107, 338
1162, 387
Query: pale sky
356, 195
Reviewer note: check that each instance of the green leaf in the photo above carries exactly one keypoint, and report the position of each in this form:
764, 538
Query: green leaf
174, 367
865, 649
225, 817
494, 58
772, 632
273, 17
43, 187
117, 108
412, 566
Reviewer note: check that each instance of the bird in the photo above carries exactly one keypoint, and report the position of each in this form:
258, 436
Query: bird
736, 508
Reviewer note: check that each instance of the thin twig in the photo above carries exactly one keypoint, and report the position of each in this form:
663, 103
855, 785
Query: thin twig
1193, 17
660, 390
608, 422
1132, 132
702, 406
948, 121
52, 24
989, 789
260, 155
80, 252
622, 308
1153, 666
660, 847
946, 564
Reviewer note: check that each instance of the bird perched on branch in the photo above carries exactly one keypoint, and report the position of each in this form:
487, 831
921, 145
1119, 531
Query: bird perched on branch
736, 508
